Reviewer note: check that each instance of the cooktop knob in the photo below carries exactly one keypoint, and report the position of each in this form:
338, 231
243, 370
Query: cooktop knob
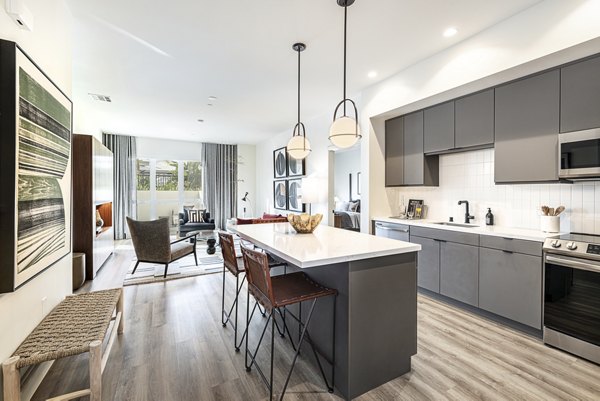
571, 246
555, 244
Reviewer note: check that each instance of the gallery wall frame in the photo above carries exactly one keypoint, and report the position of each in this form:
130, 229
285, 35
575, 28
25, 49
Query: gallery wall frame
294, 194
35, 169
280, 163
296, 168
280, 197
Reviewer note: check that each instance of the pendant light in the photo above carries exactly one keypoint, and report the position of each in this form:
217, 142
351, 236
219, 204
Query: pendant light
298, 147
344, 131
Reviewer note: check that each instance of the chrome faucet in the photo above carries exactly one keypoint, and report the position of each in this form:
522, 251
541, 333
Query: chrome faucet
468, 217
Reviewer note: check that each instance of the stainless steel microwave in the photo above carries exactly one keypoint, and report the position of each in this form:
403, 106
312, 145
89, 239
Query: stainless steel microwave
579, 154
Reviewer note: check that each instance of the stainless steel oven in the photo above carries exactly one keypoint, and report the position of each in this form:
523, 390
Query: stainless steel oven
572, 294
579, 154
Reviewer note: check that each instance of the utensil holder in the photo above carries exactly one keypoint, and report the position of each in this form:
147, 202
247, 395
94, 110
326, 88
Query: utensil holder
550, 224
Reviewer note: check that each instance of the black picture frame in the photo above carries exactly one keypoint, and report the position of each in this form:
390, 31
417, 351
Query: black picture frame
280, 194
280, 163
34, 113
296, 168
294, 195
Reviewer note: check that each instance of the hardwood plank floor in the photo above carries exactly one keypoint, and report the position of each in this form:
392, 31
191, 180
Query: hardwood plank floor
174, 349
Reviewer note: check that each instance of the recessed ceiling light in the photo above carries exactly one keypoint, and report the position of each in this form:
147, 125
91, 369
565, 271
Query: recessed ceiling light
210, 104
372, 74
212, 98
450, 32
200, 120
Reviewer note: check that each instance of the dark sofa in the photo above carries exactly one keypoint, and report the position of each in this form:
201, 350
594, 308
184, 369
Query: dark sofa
185, 226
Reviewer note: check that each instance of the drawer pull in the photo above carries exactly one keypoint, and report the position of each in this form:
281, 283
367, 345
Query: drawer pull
511, 252
506, 238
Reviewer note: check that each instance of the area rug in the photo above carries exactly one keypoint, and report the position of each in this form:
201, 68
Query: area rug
147, 273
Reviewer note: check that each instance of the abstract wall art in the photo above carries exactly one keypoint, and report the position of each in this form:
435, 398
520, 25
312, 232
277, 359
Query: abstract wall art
280, 194
280, 163
295, 196
35, 169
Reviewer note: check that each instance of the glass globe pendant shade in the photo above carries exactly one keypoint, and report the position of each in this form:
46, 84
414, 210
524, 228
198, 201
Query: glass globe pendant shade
344, 132
298, 147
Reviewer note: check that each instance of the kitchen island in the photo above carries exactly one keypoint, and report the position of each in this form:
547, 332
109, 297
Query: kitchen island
376, 309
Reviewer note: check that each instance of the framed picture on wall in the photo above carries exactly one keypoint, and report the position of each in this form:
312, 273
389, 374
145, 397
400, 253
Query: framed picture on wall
296, 168
295, 196
280, 197
280, 163
35, 149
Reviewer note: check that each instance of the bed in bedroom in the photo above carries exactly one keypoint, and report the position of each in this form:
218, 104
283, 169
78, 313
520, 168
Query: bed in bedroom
346, 215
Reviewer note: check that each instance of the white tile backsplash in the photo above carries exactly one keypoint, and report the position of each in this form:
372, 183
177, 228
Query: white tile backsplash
470, 176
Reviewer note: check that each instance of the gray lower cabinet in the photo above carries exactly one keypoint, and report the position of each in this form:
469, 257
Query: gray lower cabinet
428, 263
459, 272
438, 128
580, 96
474, 120
394, 152
526, 129
510, 285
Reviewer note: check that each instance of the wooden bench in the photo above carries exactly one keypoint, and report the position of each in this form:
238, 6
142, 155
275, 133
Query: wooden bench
78, 324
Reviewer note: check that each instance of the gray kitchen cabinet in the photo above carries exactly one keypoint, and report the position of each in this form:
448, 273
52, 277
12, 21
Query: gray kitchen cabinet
580, 96
438, 128
526, 129
510, 285
428, 263
474, 120
418, 169
394, 152
459, 272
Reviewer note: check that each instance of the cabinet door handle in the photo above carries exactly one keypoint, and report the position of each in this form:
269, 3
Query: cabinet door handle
508, 239
439, 240
511, 252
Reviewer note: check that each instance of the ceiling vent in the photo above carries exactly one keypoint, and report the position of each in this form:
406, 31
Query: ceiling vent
100, 98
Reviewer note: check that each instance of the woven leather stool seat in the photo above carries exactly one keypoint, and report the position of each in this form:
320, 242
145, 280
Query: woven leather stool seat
292, 288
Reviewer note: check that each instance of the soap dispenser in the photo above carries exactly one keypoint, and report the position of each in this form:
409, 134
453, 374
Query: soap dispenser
489, 218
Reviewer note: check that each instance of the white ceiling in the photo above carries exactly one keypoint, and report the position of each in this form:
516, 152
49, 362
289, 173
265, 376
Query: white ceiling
160, 61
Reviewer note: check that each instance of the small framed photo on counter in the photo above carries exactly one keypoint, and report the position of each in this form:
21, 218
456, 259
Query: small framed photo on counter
415, 209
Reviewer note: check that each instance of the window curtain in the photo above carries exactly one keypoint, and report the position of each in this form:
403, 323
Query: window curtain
219, 175
124, 187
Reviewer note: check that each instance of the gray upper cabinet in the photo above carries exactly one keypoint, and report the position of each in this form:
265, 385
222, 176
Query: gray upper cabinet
439, 128
474, 120
394, 152
418, 168
526, 129
413, 148
510, 285
580, 96
459, 272
428, 263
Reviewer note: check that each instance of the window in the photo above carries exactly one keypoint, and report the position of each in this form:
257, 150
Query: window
165, 186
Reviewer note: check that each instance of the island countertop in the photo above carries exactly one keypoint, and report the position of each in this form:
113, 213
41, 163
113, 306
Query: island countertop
326, 245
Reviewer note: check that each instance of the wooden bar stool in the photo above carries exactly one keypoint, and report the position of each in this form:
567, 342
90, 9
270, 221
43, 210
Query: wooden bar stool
235, 265
274, 294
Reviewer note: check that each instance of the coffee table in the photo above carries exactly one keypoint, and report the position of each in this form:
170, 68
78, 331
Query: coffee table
210, 237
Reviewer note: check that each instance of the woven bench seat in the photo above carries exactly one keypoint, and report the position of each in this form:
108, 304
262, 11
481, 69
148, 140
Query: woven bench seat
77, 325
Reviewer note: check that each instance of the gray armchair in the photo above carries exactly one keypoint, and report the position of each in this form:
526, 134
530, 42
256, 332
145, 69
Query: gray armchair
152, 243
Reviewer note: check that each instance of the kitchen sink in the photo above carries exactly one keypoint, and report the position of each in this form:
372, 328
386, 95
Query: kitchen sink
447, 223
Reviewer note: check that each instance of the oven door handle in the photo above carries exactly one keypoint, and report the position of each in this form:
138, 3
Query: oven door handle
574, 263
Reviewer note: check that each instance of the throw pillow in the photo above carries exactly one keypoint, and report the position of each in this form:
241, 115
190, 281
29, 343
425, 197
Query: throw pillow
353, 206
195, 216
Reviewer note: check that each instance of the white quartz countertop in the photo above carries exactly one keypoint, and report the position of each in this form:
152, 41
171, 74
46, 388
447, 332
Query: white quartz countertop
326, 245
497, 231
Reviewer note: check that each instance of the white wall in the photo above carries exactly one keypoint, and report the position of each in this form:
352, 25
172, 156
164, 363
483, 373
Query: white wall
166, 149
548, 34
247, 180
346, 162
49, 45
470, 176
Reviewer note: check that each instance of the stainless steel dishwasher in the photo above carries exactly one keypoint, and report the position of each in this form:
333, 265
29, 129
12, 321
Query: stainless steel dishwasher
392, 230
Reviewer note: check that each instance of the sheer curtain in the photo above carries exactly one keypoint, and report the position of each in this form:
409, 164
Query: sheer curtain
219, 175
124, 180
